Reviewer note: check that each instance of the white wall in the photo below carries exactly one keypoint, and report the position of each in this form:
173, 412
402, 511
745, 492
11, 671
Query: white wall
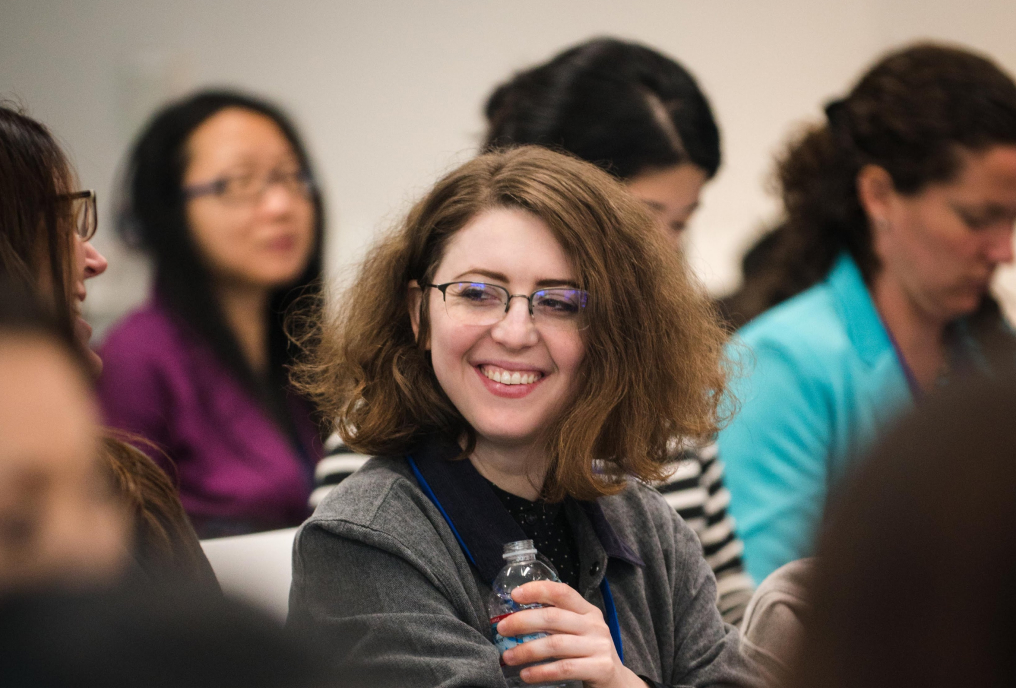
389, 92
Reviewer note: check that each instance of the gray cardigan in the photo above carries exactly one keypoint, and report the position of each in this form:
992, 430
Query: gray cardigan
380, 577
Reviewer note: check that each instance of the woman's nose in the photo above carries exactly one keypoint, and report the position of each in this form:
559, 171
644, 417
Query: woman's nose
95, 262
276, 199
517, 329
1000, 248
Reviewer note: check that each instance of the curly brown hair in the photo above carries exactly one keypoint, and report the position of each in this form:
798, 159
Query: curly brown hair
652, 370
911, 114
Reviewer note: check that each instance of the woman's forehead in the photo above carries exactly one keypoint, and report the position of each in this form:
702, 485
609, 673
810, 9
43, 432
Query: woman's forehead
234, 136
505, 244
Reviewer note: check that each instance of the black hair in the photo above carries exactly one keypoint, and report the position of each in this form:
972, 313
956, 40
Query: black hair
620, 105
36, 229
154, 217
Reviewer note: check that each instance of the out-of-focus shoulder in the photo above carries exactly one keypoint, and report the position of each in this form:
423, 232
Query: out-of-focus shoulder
143, 332
807, 328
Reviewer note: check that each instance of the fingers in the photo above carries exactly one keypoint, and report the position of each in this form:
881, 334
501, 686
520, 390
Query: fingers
561, 647
594, 671
555, 594
545, 620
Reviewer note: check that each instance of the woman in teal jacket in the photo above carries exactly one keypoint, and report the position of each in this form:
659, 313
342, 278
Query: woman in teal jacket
899, 208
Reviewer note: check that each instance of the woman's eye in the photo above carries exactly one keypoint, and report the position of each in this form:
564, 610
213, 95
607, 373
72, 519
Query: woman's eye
477, 294
236, 186
17, 531
557, 304
975, 222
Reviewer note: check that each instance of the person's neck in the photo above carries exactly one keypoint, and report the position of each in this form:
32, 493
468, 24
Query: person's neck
919, 335
244, 308
519, 470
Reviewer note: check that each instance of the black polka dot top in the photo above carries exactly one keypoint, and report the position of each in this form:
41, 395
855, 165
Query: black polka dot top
547, 526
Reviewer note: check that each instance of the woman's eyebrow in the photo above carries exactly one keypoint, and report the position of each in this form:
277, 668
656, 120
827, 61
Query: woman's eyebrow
544, 283
501, 277
988, 211
496, 276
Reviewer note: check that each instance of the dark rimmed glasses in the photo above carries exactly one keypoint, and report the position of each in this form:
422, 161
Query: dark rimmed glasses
482, 304
84, 213
249, 188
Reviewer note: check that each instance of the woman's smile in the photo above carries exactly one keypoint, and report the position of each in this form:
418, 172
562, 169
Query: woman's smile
509, 384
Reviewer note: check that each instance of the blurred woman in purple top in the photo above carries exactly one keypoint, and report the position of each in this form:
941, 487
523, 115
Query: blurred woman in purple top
220, 194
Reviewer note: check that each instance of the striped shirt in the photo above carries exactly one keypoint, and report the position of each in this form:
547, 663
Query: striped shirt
694, 489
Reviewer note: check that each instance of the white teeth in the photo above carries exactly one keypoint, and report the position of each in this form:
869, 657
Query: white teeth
508, 378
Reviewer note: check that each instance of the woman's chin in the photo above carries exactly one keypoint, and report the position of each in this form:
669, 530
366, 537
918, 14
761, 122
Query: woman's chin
93, 360
83, 333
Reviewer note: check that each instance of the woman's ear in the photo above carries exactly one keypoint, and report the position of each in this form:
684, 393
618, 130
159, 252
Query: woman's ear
876, 194
414, 298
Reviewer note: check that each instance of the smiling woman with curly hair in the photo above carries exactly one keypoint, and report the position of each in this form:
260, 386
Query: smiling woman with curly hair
519, 355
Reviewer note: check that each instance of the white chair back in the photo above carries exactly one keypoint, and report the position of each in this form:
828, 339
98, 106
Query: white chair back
256, 568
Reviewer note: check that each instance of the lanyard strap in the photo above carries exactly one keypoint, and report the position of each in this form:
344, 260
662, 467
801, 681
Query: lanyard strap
608, 598
612, 624
908, 373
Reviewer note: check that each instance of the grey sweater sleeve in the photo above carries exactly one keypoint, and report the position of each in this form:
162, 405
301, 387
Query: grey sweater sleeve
706, 650
388, 619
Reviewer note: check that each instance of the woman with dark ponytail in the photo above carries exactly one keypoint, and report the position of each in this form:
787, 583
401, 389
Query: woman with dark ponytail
898, 209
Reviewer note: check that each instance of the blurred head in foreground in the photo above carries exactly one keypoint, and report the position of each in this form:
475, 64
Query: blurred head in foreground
917, 565
60, 519
133, 639
629, 109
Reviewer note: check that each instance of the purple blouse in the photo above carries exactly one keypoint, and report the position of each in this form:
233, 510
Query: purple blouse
237, 470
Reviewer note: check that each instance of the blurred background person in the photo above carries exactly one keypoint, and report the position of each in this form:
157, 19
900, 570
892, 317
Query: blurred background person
221, 195
642, 117
629, 109
45, 229
60, 519
898, 209
916, 569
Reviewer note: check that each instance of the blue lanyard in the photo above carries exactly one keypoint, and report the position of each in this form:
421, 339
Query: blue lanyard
608, 598
908, 373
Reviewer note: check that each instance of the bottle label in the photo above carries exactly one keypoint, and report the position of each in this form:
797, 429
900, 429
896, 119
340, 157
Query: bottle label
506, 643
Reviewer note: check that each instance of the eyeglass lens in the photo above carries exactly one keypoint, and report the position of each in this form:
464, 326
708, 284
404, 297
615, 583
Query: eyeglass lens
83, 212
477, 303
248, 187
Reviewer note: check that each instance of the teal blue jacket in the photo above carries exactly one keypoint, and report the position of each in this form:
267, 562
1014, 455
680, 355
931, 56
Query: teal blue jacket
818, 380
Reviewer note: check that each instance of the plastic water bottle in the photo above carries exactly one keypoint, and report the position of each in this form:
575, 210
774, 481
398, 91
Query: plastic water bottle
522, 567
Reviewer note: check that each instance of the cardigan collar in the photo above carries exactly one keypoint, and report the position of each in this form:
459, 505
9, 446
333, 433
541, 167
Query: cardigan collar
481, 523
866, 329
864, 326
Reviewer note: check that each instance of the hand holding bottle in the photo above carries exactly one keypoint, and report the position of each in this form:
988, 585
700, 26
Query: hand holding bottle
579, 640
